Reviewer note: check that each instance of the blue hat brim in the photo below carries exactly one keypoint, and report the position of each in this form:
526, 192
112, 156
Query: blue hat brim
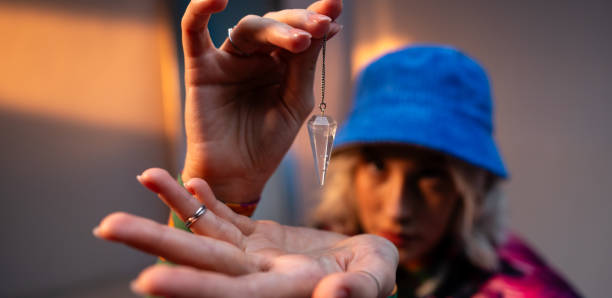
414, 124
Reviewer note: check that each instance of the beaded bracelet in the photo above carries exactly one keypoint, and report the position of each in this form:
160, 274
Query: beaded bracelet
246, 209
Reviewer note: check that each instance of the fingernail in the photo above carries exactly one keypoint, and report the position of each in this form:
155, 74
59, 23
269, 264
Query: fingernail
96, 232
320, 18
136, 288
334, 29
139, 178
300, 33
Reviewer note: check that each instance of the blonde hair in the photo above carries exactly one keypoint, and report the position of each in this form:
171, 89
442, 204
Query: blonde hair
479, 226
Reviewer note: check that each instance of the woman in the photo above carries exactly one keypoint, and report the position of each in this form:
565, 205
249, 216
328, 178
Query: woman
416, 163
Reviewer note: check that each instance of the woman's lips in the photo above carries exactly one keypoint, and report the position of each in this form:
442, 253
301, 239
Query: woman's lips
399, 239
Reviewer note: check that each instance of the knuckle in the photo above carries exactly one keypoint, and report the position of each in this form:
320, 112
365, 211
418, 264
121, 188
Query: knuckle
162, 236
246, 27
210, 223
318, 30
271, 15
297, 45
250, 18
335, 6
199, 185
184, 23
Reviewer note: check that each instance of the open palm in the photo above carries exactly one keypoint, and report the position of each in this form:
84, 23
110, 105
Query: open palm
229, 255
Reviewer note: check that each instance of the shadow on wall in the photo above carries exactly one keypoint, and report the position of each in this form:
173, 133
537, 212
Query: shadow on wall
58, 180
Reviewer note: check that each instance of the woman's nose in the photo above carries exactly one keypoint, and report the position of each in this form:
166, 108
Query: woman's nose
398, 203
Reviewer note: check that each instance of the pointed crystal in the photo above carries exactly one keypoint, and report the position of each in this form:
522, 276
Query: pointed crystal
322, 130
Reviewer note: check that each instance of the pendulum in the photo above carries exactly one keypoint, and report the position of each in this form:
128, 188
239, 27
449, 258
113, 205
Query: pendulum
322, 129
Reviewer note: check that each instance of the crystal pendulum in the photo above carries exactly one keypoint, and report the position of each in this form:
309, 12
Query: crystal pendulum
322, 129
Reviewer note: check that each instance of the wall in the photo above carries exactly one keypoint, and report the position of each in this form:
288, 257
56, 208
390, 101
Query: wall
86, 103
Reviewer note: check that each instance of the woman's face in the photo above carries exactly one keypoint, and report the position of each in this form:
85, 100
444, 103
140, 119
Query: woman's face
406, 195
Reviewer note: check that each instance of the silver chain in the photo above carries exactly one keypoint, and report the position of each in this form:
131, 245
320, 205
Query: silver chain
323, 105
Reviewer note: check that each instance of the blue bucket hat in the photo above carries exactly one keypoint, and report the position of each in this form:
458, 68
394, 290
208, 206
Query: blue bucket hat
430, 96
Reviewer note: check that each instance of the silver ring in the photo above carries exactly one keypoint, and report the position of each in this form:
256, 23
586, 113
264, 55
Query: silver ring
229, 37
192, 219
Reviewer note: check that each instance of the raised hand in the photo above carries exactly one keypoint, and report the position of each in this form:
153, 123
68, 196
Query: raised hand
230, 255
246, 101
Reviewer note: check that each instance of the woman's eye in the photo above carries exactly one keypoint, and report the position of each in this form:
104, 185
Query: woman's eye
433, 180
377, 164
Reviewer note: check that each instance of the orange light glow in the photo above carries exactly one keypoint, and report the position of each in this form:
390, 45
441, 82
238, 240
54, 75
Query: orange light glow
87, 68
367, 51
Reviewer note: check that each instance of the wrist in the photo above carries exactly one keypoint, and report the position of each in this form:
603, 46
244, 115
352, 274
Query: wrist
242, 208
238, 190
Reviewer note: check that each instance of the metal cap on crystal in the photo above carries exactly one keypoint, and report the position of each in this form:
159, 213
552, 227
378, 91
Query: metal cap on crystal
322, 130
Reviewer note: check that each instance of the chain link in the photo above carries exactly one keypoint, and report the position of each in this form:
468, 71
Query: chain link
323, 105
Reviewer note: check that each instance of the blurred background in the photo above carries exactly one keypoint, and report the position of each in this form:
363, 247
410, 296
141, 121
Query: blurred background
90, 95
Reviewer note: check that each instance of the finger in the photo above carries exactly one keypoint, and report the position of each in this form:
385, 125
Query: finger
334, 28
175, 245
298, 84
370, 271
330, 8
196, 38
204, 194
315, 24
257, 34
353, 285
180, 281
185, 205
298, 90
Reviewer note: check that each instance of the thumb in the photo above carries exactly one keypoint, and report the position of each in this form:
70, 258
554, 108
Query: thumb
298, 84
358, 284
370, 271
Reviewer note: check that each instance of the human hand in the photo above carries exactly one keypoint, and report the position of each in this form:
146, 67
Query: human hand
246, 101
230, 255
